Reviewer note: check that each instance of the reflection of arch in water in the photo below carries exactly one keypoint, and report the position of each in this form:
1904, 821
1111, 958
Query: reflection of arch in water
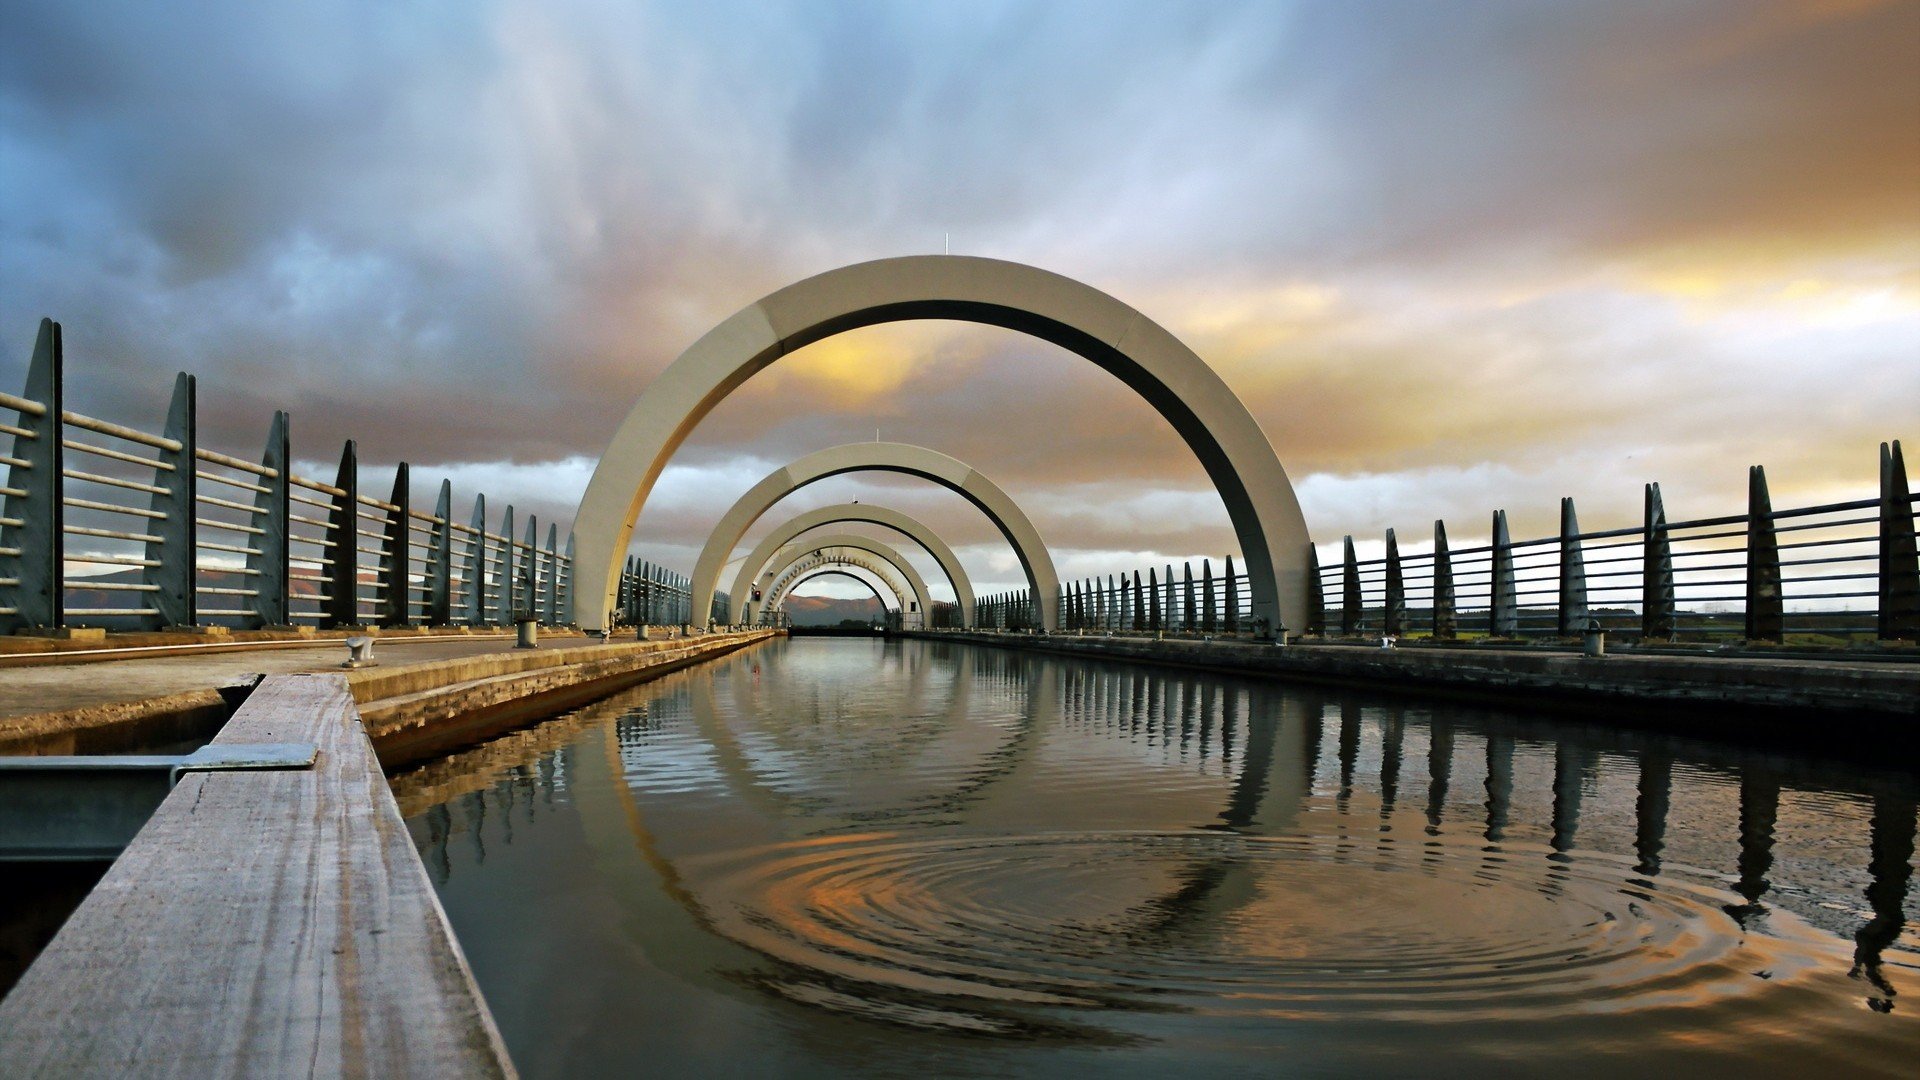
743, 609
796, 558
1191, 396
951, 473
1892, 825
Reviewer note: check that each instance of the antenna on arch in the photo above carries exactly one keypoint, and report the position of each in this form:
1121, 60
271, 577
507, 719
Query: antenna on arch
949, 243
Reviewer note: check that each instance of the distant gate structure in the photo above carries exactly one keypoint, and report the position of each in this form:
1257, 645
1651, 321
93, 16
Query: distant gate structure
904, 458
811, 564
744, 609
1192, 397
848, 547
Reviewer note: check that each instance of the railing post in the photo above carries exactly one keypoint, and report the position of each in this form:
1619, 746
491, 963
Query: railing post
1230, 601
175, 601
1899, 568
1393, 621
440, 562
1193, 621
1349, 591
343, 545
503, 602
1153, 601
271, 562
1572, 610
1766, 606
527, 601
1446, 624
32, 533
398, 558
1206, 577
642, 600
553, 574
474, 608
1503, 615
1316, 595
566, 592
1656, 572
623, 593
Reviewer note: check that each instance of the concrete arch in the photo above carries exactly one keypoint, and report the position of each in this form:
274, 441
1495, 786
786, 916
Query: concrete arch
742, 607
839, 544
902, 458
1192, 397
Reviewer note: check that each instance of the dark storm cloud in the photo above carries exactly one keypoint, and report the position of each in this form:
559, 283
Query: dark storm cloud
1439, 249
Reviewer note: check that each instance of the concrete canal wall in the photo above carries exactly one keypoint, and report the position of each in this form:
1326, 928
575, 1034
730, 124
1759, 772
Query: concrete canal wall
278, 921
1738, 695
140, 702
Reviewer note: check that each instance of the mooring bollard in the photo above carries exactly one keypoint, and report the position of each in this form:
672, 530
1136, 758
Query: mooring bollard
1593, 642
359, 652
529, 633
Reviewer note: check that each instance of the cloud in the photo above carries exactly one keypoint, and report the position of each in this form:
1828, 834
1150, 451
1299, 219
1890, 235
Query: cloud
1451, 259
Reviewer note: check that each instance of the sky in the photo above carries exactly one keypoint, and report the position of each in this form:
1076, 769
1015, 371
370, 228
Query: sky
1454, 257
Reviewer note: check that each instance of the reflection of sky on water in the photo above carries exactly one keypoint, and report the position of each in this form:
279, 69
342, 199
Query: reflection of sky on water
920, 839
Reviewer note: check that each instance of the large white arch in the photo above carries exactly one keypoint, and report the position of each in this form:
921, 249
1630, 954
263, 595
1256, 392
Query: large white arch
903, 458
741, 608
1176, 382
838, 545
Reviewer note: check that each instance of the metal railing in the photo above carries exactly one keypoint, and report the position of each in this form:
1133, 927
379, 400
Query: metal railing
1832, 574
108, 526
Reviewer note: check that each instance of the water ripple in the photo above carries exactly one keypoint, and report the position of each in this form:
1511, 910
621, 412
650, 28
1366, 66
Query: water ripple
1216, 922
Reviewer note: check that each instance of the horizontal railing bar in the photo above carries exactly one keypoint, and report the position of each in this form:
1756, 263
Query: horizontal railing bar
315, 485
210, 523
216, 478
17, 432
229, 504
116, 455
218, 458
323, 504
109, 481
132, 435
23, 405
108, 586
230, 548
110, 534
113, 508
111, 560
106, 612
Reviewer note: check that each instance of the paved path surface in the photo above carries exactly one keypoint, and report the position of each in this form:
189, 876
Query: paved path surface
51, 687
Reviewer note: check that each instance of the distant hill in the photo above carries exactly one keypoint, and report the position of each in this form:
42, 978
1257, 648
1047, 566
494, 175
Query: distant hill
826, 611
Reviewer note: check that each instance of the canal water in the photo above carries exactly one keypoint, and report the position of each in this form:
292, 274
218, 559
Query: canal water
830, 857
